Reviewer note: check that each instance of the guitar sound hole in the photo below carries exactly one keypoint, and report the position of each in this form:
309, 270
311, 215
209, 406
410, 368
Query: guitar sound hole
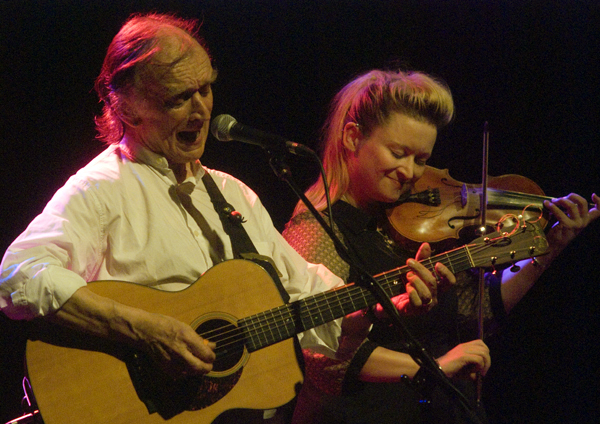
229, 339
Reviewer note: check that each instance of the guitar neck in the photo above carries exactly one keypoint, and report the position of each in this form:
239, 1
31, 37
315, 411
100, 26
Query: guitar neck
283, 322
524, 241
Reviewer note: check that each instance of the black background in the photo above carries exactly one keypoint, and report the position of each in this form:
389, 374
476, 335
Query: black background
529, 68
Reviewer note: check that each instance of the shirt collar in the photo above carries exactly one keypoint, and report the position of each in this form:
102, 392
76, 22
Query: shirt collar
138, 153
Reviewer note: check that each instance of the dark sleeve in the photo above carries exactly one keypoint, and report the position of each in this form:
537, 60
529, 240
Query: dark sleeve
494, 282
351, 382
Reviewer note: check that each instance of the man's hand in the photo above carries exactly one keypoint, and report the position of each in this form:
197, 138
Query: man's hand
175, 346
423, 285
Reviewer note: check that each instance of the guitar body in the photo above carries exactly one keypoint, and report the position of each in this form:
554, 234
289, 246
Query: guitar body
78, 379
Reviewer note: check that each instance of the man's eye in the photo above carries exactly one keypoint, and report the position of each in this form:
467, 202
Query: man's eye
174, 103
177, 101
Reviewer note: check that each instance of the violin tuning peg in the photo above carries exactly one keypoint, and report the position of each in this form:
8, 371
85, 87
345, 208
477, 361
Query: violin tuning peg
435, 199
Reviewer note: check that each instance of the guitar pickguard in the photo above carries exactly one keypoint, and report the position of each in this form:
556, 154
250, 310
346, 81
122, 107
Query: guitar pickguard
169, 397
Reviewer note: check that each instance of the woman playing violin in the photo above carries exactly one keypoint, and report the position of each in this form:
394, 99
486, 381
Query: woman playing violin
381, 131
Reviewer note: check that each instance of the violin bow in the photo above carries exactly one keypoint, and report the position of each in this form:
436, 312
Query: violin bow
483, 208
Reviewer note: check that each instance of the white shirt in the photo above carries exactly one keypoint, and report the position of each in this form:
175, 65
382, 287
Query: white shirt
115, 220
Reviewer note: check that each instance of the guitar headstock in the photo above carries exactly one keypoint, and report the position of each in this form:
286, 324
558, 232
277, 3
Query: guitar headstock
514, 244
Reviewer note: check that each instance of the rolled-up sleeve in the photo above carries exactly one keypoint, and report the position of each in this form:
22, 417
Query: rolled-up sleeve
54, 256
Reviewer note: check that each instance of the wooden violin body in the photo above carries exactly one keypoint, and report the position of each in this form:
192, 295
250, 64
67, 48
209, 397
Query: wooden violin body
454, 218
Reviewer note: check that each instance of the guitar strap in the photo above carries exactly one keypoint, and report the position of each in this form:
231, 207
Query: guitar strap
231, 219
243, 248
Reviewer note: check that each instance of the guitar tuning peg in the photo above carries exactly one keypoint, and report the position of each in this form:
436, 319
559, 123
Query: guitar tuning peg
514, 267
494, 259
534, 261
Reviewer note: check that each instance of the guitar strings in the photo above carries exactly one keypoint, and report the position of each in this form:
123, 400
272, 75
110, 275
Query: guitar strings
349, 297
265, 327
267, 323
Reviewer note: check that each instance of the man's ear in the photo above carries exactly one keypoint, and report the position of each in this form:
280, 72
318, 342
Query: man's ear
352, 136
122, 106
128, 115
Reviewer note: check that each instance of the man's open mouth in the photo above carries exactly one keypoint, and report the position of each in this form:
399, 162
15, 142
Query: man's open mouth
187, 137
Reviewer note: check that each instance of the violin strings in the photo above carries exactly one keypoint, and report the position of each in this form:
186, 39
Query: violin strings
513, 195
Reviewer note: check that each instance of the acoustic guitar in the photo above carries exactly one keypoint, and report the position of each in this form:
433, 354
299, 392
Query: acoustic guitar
81, 379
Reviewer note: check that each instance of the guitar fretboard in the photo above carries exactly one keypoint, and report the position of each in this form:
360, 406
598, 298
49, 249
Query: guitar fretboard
281, 323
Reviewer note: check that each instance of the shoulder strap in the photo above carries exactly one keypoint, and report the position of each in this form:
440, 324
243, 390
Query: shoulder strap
231, 219
243, 247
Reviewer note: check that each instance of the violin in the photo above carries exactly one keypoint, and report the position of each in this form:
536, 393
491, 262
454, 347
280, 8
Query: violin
446, 213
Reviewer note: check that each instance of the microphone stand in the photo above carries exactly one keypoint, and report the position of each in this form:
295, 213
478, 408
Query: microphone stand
277, 162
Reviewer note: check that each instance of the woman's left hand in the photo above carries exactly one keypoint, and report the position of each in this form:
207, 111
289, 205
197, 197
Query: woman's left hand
573, 216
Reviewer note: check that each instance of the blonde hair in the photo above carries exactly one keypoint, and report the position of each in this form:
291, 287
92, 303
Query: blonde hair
369, 100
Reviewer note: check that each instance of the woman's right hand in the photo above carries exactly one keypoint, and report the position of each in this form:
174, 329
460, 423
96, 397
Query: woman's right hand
466, 360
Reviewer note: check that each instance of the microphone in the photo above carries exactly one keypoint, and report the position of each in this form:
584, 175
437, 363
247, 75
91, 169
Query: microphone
226, 128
